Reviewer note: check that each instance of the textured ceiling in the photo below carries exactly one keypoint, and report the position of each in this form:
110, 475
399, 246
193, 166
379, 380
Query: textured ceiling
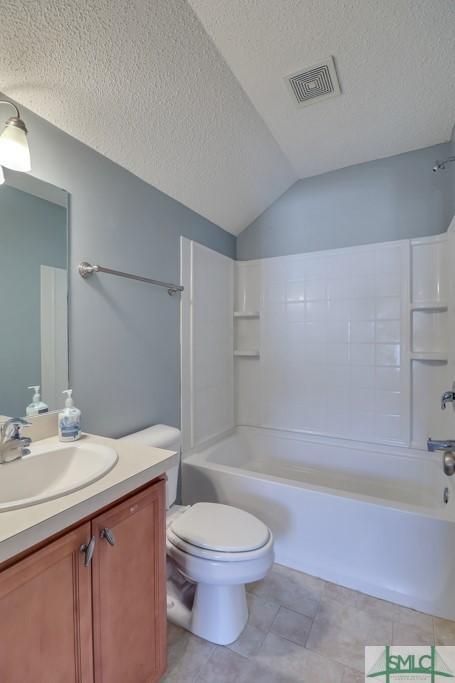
395, 61
194, 102
141, 82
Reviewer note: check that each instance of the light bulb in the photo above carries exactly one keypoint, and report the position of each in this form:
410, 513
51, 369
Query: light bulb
14, 151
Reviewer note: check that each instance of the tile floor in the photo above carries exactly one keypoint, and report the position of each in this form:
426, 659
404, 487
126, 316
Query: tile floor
302, 630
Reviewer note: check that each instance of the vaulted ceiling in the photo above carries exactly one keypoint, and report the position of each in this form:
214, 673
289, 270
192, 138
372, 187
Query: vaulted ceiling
190, 94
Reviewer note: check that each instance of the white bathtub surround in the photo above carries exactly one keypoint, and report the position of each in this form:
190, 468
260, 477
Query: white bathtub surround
371, 518
332, 343
350, 343
207, 343
432, 326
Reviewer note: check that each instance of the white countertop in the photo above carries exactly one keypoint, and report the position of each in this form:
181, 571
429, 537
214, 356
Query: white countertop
23, 528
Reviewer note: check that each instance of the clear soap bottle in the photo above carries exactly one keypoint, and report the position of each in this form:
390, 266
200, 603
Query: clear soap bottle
37, 406
69, 419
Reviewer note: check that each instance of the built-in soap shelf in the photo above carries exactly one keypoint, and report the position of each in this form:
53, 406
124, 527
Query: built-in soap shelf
429, 306
429, 334
246, 314
435, 356
246, 333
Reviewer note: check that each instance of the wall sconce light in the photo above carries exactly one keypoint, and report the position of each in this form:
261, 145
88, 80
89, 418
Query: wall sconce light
2, 177
14, 151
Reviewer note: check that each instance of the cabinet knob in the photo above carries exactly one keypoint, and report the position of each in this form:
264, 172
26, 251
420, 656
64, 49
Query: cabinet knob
88, 549
108, 534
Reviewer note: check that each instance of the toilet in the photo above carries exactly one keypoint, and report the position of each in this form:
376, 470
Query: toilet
213, 550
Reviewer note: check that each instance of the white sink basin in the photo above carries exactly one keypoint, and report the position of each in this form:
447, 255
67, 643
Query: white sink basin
51, 471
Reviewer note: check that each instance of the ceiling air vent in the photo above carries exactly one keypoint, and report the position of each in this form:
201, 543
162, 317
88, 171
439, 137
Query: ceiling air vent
314, 83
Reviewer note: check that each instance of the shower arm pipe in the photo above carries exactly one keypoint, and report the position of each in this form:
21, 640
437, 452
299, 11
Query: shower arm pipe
440, 165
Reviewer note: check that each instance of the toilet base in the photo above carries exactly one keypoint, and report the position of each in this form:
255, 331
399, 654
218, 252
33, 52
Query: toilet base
180, 601
217, 613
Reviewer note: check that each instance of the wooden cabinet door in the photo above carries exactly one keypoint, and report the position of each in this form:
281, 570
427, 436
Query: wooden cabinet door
129, 590
46, 615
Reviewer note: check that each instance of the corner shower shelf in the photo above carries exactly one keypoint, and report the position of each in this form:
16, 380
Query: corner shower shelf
439, 356
247, 353
246, 314
429, 306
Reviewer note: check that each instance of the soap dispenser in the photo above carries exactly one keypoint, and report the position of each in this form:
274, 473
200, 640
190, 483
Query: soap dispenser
37, 406
69, 419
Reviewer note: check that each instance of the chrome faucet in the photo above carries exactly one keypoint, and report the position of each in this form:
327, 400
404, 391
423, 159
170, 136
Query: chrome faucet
448, 397
448, 446
12, 444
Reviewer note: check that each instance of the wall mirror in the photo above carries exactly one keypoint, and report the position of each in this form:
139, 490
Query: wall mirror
34, 286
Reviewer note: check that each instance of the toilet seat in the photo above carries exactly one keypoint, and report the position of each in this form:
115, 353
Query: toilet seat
216, 555
208, 529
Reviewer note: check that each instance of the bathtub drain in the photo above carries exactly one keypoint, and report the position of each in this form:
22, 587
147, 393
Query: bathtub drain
446, 495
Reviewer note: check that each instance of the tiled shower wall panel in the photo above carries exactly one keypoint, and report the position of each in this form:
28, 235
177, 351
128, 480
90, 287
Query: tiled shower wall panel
334, 343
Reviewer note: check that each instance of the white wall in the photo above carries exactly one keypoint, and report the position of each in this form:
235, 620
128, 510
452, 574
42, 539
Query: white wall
341, 350
207, 343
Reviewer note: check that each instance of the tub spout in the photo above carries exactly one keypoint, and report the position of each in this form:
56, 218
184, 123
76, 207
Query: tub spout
434, 445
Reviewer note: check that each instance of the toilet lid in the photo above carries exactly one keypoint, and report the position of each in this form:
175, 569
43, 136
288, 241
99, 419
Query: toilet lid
220, 527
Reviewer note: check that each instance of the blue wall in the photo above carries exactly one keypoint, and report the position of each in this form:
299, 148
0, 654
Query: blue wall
452, 174
32, 233
124, 335
388, 199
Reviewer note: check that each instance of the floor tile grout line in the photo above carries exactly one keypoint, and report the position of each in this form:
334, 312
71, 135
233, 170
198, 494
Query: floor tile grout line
289, 640
331, 659
294, 611
265, 634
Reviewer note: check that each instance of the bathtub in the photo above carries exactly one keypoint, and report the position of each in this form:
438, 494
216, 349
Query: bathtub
372, 518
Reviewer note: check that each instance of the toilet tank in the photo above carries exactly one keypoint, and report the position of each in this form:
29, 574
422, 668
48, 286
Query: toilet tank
162, 436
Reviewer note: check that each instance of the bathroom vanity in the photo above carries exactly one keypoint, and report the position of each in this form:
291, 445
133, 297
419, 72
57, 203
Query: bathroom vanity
83, 577
82, 525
